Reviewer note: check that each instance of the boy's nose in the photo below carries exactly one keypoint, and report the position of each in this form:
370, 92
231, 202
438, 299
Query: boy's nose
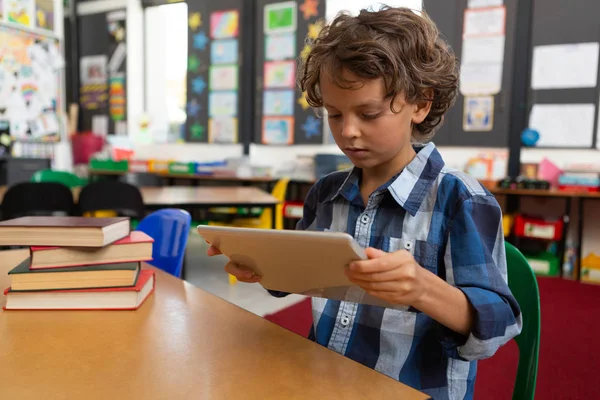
350, 131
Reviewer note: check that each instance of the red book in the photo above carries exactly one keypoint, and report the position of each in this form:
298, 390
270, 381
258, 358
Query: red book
126, 298
135, 247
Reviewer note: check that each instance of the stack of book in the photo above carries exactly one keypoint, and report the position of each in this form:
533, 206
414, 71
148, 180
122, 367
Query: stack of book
78, 263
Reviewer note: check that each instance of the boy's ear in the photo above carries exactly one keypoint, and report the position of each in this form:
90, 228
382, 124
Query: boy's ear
423, 107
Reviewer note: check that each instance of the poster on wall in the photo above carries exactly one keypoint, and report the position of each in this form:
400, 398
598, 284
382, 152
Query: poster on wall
20, 12
44, 14
213, 79
287, 31
29, 83
94, 80
115, 65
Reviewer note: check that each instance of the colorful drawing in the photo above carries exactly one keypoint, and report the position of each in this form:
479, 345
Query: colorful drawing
28, 89
278, 130
312, 127
224, 51
193, 63
278, 102
280, 74
198, 85
223, 130
20, 11
478, 113
195, 21
92, 70
222, 103
309, 8
224, 24
280, 17
193, 108
200, 40
197, 131
224, 77
44, 14
315, 29
280, 47
116, 102
303, 102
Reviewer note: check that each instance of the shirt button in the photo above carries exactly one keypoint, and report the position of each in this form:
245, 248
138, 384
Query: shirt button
345, 320
364, 219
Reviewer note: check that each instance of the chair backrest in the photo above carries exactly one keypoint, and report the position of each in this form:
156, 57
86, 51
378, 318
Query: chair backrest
121, 197
66, 178
37, 198
523, 285
170, 229
279, 191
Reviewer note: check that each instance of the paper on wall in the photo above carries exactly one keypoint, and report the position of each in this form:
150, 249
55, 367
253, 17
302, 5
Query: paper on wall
565, 66
484, 3
483, 50
563, 125
484, 21
116, 60
480, 78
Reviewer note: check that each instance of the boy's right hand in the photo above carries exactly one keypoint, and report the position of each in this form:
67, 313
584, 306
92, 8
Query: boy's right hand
242, 274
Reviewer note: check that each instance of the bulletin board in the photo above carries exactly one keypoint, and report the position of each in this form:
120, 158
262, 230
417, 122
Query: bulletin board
564, 90
103, 72
483, 40
30, 85
283, 117
215, 83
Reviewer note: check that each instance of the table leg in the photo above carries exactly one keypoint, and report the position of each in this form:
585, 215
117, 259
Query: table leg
579, 238
274, 216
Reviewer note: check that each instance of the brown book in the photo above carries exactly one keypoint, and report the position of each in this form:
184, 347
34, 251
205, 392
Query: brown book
81, 277
63, 231
135, 247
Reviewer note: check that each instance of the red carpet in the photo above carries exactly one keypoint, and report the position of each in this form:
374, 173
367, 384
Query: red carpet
569, 357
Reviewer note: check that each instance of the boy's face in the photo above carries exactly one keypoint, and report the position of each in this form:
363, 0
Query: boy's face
364, 126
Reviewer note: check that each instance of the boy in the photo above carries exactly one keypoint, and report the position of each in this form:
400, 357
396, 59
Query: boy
434, 237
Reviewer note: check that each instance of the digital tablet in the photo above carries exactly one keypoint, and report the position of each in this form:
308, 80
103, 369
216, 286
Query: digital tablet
292, 261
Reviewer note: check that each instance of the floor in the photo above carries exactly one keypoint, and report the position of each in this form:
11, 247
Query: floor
207, 273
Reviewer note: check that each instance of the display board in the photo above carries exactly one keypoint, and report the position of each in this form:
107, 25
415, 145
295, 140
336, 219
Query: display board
215, 83
30, 85
282, 115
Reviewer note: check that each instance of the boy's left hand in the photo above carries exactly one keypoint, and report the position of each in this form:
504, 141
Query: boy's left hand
394, 277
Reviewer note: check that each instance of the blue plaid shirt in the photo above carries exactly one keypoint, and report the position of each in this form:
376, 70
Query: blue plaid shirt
452, 226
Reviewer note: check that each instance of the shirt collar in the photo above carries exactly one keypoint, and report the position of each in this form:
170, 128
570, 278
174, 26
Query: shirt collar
409, 187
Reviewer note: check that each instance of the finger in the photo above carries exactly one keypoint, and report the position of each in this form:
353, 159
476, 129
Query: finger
385, 276
372, 252
213, 251
368, 286
241, 273
384, 263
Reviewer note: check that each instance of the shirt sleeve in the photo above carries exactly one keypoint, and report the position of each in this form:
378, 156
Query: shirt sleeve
309, 213
475, 261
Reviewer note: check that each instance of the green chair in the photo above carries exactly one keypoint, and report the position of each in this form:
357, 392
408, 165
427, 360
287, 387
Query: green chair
523, 285
66, 178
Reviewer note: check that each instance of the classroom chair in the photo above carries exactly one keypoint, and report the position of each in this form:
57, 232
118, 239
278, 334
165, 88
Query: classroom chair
66, 178
265, 220
37, 198
170, 228
111, 198
523, 285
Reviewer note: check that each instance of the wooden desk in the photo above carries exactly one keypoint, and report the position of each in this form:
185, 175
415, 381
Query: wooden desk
183, 343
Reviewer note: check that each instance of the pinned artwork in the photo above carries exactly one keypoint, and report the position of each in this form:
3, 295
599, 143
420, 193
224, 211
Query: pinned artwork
193, 63
278, 130
278, 102
309, 8
94, 82
197, 131
224, 77
195, 21
303, 102
198, 85
478, 113
224, 51
280, 47
280, 74
280, 17
224, 24
116, 93
200, 41
20, 11
312, 127
223, 130
193, 108
222, 103
314, 29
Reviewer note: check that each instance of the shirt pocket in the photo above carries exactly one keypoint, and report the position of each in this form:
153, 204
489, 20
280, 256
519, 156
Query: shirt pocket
425, 253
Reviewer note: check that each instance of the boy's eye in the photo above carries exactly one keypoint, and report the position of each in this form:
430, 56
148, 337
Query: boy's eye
370, 116
335, 116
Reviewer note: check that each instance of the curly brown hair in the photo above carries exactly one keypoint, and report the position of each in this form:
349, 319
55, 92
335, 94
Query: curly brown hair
394, 43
